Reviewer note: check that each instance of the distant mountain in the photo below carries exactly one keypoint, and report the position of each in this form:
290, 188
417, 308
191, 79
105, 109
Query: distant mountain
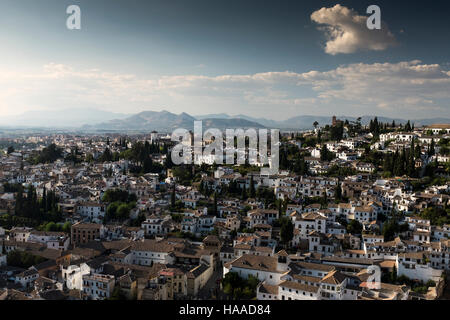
306, 121
426, 122
231, 123
265, 122
65, 118
261, 121
214, 116
146, 120
165, 121
89, 119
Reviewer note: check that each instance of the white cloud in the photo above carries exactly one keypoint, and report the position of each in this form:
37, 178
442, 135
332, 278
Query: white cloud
347, 31
397, 89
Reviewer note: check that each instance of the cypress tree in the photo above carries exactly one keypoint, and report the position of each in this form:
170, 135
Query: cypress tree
215, 205
19, 201
432, 148
44, 200
172, 197
244, 193
252, 187
411, 163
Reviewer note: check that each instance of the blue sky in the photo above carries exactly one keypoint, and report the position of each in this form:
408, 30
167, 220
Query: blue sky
273, 59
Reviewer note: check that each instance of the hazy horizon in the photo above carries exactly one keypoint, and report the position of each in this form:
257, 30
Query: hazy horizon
88, 119
274, 60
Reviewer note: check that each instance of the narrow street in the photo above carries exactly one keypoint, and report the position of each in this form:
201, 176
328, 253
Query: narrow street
211, 289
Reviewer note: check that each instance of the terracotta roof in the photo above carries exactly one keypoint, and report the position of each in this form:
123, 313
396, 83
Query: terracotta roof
282, 253
269, 289
389, 264
334, 277
249, 261
305, 278
83, 225
152, 245
312, 266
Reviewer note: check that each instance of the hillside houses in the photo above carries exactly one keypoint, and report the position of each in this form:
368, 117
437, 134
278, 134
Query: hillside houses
315, 230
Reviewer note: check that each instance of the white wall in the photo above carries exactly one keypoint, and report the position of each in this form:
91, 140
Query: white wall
421, 272
271, 278
75, 275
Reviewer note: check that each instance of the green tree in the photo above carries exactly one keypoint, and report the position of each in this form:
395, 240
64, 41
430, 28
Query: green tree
393, 275
252, 187
67, 227
338, 192
286, 230
123, 212
49, 154
23, 259
106, 156
215, 211
173, 197
51, 226
432, 150
113, 195
244, 193
354, 227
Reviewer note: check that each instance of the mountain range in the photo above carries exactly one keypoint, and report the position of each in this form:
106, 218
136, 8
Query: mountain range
306, 121
167, 122
88, 119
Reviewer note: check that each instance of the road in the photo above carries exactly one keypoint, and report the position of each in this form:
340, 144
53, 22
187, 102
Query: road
207, 292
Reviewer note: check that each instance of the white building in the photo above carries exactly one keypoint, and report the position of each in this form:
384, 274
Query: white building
437, 128
27, 277
20, 234
73, 275
364, 214
308, 222
157, 225
417, 266
53, 240
147, 252
91, 210
264, 268
98, 286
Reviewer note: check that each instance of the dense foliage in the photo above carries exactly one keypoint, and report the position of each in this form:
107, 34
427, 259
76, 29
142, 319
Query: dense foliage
48, 155
238, 288
28, 205
22, 259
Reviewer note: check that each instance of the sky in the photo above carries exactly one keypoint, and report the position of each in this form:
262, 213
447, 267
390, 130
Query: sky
263, 58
